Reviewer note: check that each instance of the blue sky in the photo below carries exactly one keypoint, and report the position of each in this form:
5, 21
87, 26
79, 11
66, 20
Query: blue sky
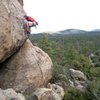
55, 15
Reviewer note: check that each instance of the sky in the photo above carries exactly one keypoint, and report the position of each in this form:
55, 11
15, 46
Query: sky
55, 15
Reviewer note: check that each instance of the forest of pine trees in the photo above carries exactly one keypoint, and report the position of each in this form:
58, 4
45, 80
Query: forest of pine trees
78, 51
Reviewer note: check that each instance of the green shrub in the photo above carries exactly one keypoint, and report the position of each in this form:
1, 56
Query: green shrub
93, 91
73, 94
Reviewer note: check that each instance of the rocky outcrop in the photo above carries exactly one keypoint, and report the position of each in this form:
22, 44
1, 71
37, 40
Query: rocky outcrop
57, 89
10, 94
51, 92
46, 94
29, 68
12, 33
78, 80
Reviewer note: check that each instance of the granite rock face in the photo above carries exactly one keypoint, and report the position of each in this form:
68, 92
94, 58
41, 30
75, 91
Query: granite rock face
28, 69
12, 32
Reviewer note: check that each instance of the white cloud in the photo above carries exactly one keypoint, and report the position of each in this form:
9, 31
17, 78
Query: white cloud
63, 14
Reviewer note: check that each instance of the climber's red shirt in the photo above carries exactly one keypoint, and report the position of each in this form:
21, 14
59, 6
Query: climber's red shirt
31, 20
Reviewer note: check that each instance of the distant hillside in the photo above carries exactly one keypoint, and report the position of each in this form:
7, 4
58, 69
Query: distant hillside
72, 31
68, 32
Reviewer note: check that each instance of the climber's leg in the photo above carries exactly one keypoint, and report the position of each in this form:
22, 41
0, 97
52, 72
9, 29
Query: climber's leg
26, 27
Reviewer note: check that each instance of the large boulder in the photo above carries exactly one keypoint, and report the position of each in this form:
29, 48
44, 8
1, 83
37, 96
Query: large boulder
12, 33
29, 68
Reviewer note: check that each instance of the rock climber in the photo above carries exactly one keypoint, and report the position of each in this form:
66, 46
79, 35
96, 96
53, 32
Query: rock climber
31, 22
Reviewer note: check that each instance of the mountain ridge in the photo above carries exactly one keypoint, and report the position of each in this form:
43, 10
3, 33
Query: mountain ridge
70, 31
